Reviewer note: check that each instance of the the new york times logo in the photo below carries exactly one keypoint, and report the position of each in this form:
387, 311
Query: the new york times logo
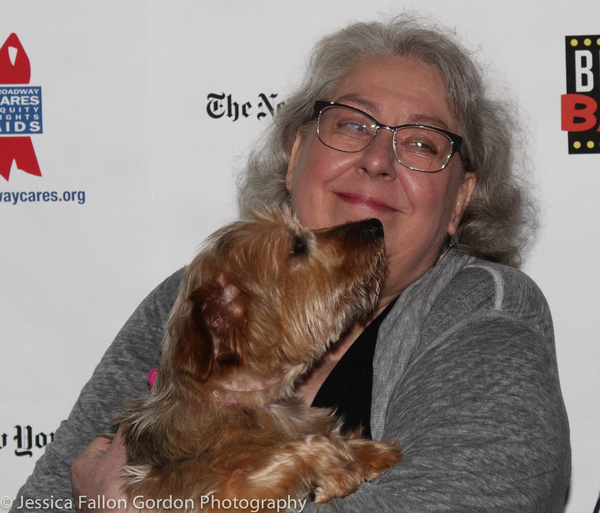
25, 441
579, 106
225, 106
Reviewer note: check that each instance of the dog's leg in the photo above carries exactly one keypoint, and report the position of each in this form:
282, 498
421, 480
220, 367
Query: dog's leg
375, 457
325, 466
358, 460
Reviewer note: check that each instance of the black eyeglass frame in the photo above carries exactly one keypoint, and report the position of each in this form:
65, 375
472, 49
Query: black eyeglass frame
456, 140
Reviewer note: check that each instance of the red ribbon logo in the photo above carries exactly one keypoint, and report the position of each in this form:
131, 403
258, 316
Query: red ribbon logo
15, 69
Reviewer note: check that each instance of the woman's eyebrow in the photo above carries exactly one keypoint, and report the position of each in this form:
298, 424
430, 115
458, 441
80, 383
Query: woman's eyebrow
424, 119
413, 119
361, 102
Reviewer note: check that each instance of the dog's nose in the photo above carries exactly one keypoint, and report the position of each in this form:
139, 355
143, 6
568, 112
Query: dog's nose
373, 228
369, 229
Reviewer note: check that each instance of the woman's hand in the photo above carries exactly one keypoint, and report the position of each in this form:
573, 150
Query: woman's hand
96, 476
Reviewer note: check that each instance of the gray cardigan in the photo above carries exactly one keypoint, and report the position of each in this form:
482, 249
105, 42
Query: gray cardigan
465, 377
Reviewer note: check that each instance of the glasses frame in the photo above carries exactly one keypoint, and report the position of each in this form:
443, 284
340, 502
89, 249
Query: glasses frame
456, 140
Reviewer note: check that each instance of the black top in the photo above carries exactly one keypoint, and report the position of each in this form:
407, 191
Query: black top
349, 386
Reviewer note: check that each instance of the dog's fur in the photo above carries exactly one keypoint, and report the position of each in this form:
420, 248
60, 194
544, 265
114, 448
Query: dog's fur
257, 307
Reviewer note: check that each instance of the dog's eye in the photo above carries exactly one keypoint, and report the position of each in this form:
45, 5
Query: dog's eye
300, 247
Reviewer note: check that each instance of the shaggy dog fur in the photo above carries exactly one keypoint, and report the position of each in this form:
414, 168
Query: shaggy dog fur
258, 306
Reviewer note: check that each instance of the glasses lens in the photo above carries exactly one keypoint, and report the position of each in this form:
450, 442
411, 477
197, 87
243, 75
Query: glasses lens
422, 149
345, 129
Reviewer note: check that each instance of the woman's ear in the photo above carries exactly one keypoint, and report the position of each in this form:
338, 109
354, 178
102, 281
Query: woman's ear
294, 156
465, 190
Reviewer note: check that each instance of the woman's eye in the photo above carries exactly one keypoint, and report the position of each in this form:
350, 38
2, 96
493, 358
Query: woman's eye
418, 145
422, 146
351, 126
421, 141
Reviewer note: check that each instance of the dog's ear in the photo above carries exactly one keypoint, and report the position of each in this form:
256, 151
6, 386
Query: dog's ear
194, 350
210, 334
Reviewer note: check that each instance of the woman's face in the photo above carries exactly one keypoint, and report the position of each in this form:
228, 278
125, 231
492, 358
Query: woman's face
418, 210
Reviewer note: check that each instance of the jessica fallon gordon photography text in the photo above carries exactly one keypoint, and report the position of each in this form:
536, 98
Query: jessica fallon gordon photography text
143, 503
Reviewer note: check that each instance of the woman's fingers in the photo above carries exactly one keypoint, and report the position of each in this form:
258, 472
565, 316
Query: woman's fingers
96, 476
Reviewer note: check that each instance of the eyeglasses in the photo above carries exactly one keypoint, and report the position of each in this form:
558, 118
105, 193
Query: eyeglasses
419, 147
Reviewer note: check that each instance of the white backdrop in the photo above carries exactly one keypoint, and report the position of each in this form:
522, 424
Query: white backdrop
125, 89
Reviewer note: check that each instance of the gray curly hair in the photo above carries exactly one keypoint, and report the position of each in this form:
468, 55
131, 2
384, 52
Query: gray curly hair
501, 215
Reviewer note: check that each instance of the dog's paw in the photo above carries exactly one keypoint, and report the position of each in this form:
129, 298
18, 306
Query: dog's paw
327, 493
376, 457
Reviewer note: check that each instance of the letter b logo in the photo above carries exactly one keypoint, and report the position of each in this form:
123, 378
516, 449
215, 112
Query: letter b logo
579, 107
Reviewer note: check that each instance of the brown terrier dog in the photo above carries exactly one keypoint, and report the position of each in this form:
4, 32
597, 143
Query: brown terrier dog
257, 308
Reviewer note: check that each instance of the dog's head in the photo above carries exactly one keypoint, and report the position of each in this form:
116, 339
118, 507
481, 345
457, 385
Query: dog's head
265, 298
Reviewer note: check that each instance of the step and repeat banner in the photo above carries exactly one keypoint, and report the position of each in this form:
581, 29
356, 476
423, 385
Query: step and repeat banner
123, 126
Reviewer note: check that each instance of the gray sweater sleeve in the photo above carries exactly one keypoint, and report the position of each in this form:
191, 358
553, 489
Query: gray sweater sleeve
465, 377
475, 402
121, 375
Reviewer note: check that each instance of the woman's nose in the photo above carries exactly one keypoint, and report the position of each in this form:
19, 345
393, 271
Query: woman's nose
378, 158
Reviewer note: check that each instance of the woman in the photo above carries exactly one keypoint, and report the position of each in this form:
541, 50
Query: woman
463, 372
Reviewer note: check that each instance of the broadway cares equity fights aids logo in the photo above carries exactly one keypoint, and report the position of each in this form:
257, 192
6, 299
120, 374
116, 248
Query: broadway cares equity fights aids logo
20, 110
579, 107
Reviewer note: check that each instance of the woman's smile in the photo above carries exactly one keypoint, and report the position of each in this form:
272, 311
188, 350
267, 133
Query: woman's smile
365, 201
